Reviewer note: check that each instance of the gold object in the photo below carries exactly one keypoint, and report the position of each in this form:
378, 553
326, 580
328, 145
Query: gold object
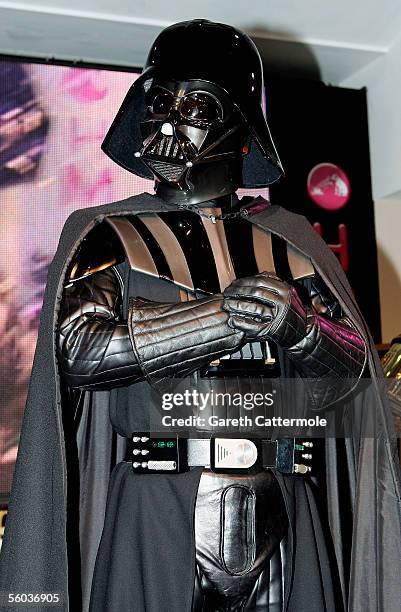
270, 361
391, 363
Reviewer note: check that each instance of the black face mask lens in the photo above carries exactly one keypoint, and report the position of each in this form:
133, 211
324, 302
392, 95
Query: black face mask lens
201, 107
159, 103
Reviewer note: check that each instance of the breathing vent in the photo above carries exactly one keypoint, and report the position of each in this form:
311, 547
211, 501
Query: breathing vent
171, 172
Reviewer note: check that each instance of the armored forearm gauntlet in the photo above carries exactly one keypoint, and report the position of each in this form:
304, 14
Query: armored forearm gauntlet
97, 349
94, 346
332, 356
171, 339
319, 340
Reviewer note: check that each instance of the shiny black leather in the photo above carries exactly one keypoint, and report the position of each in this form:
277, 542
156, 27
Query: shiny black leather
329, 380
266, 308
193, 159
266, 593
178, 339
263, 306
328, 332
215, 56
239, 523
95, 351
98, 350
94, 347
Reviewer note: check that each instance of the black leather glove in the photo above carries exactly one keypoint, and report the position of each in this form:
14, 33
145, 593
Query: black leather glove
322, 343
266, 308
178, 339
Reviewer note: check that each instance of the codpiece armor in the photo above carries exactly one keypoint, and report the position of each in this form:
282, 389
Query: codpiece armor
236, 300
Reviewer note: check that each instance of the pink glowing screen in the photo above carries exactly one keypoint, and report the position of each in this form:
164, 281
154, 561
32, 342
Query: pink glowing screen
52, 121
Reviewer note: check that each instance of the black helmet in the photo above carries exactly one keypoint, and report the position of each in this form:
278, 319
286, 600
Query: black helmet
221, 57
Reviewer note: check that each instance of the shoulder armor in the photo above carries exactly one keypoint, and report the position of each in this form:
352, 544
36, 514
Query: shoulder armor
117, 239
300, 265
100, 249
274, 254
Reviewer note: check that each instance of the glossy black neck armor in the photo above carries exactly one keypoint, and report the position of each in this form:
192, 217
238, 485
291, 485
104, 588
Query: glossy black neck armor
193, 120
193, 141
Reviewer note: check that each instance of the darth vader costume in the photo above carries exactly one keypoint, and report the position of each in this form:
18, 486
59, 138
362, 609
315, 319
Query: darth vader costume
195, 282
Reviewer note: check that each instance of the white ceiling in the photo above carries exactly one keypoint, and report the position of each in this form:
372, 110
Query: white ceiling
341, 35
361, 22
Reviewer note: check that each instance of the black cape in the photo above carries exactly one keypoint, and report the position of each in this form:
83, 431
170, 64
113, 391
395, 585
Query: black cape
35, 557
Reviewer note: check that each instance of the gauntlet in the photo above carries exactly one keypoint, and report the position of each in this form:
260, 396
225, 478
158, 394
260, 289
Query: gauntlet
178, 339
98, 349
321, 342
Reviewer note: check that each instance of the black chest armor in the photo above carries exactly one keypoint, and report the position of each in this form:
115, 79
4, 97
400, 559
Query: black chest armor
179, 257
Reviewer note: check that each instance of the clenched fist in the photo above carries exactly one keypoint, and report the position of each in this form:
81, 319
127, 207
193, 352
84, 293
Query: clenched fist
266, 308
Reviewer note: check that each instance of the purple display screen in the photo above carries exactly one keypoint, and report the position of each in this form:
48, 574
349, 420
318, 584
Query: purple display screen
53, 119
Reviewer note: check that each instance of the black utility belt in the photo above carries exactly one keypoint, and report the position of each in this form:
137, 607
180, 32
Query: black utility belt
158, 453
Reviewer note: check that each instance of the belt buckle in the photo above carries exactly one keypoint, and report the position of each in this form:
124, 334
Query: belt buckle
156, 453
235, 455
246, 456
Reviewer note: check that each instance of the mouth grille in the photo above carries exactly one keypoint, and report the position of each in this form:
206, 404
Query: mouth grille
166, 146
171, 172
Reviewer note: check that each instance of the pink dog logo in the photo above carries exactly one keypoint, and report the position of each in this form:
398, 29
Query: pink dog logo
328, 186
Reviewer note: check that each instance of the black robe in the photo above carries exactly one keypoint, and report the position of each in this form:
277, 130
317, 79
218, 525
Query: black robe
43, 519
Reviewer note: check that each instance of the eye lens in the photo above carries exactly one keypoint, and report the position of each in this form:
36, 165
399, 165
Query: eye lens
201, 107
159, 103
